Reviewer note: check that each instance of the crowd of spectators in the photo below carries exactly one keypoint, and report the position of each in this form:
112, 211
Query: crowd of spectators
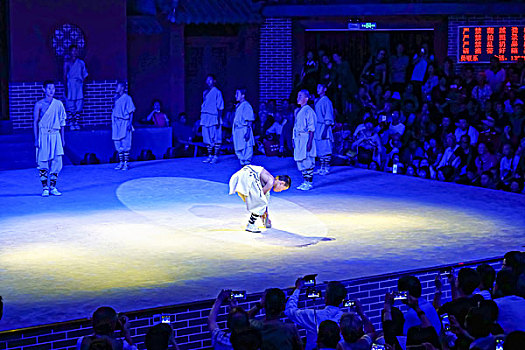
486, 312
412, 115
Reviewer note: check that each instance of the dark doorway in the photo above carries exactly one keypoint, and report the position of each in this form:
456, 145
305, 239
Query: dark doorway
357, 46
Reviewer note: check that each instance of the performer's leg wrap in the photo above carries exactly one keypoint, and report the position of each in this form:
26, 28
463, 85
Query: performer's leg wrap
308, 175
216, 148
210, 150
125, 156
121, 157
53, 180
43, 177
253, 217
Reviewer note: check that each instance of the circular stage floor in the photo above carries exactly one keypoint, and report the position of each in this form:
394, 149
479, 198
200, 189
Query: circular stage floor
167, 232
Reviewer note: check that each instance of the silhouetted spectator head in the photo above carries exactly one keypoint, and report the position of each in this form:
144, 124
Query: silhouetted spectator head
418, 335
478, 322
237, 319
351, 327
158, 337
490, 309
410, 284
505, 283
514, 261
249, 339
335, 293
274, 302
468, 280
514, 341
424, 172
104, 320
398, 320
445, 173
411, 170
103, 343
486, 179
516, 185
487, 275
328, 335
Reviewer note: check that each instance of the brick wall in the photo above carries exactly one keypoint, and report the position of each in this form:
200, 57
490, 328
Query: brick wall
190, 320
275, 59
98, 102
456, 21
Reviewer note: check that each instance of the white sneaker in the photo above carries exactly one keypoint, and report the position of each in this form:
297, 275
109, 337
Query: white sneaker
307, 186
207, 160
318, 171
125, 166
301, 186
45, 192
252, 228
55, 192
214, 160
326, 171
119, 166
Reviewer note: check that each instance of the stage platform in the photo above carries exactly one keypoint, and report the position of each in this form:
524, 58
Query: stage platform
166, 232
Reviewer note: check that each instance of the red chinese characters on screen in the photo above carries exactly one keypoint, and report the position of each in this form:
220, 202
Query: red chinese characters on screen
502, 41
490, 40
514, 41
465, 41
477, 41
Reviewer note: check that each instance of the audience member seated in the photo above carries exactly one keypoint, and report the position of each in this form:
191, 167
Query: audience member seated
424, 333
329, 336
511, 306
237, 321
514, 341
156, 117
275, 334
393, 322
160, 336
462, 298
412, 285
249, 339
487, 276
356, 329
310, 319
106, 323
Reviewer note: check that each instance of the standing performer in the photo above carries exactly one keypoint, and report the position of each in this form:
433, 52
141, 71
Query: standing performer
48, 127
303, 137
74, 74
121, 125
253, 184
242, 128
323, 129
211, 115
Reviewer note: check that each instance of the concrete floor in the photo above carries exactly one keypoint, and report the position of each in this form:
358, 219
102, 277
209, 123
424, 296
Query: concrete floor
167, 232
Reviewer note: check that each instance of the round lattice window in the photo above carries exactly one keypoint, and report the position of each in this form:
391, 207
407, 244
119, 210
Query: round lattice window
65, 36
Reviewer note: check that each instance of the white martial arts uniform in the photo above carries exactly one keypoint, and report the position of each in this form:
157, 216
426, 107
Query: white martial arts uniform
75, 81
247, 183
121, 123
212, 104
50, 150
304, 124
324, 118
241, 125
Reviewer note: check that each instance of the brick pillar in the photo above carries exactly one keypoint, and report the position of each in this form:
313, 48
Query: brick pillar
275, 60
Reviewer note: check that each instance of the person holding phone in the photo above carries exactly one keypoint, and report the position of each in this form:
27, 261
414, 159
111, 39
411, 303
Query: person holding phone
107, 325
311, 319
